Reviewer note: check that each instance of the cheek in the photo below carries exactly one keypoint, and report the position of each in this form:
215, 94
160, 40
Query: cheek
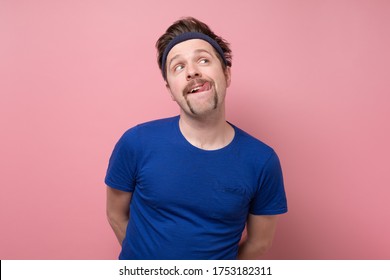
175, 92
173, 85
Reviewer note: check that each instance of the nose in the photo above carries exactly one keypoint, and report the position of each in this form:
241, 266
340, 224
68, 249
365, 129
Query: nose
192, 72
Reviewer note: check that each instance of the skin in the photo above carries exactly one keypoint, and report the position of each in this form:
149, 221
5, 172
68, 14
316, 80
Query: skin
202, 115
258, 240
187, 62
117, 209
203, 124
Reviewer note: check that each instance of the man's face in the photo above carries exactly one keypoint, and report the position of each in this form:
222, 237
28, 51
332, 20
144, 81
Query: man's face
196, 79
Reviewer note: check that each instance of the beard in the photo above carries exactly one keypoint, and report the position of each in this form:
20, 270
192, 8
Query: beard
200, 109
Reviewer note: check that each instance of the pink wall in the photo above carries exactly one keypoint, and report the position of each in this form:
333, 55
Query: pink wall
310, 78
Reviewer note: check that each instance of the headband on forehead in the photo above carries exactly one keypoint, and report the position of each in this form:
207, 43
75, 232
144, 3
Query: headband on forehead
189, 36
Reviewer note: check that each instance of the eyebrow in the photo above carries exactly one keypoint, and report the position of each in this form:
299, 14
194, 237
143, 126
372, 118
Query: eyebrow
197, 51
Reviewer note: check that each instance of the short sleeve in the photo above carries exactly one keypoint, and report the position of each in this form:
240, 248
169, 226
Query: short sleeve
121, 171
270, 197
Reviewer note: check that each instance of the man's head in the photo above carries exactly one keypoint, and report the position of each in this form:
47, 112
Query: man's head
195, 64
186, 29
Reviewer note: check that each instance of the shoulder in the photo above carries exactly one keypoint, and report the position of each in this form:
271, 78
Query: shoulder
145, 135
159, 124
253, 145
150, 128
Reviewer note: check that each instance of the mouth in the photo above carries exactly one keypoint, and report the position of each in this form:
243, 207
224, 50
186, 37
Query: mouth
199, 87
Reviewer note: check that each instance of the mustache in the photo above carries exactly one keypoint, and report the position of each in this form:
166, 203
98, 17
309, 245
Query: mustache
195, 82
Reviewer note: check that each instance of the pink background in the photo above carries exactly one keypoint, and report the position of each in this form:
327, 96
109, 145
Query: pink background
310, 78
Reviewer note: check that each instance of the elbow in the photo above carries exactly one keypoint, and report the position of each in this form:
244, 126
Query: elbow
112, 217
115, 217
253, 250
262, 247
109, 214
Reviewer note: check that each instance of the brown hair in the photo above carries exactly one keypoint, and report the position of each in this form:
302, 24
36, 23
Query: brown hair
190, 24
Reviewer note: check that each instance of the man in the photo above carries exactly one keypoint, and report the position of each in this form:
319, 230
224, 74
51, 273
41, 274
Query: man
185, 187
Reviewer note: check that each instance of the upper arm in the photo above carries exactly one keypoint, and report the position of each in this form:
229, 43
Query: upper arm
259, 235
261, 228
118, 202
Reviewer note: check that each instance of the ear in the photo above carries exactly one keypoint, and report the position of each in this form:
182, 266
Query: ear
169, 91
228, 76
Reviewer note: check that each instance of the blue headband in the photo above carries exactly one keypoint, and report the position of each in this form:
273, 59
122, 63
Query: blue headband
189, 36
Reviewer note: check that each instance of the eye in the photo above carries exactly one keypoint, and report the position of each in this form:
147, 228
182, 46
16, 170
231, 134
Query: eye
203, 61
178, 67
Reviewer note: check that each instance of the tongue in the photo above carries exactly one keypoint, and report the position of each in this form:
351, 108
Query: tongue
205, 87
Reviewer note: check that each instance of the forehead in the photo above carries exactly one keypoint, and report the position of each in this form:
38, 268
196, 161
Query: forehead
189, 47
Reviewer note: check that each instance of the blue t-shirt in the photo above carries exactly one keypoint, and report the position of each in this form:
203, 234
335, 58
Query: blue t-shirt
189, 203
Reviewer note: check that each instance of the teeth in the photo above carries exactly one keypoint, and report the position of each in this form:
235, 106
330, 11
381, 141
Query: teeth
195, 89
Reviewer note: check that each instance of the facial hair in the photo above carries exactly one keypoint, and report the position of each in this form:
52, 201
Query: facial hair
190, 85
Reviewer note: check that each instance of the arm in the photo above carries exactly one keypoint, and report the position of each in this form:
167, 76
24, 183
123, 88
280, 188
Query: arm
118, 203
260, 233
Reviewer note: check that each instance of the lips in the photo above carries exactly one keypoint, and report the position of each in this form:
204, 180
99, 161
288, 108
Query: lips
195, 89
198, 86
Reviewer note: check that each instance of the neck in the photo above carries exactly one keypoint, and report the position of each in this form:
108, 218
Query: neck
208, 133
